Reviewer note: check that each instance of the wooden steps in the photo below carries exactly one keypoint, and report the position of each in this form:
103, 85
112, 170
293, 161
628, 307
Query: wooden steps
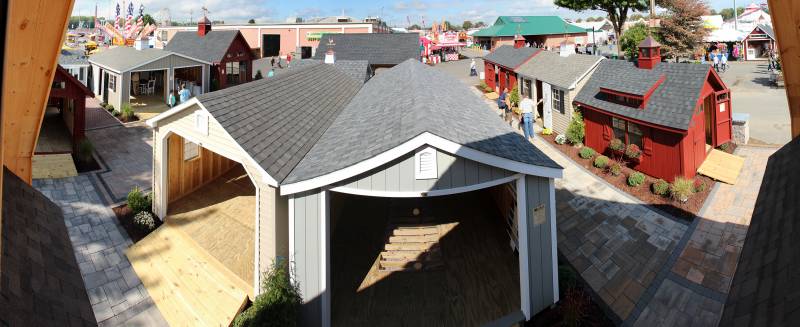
188, 285
411, 247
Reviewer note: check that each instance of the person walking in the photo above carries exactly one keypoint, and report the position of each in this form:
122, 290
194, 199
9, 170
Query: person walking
271, 73
527, 117
171, 99
184, 94
472, 70
272, 62
715, 57
724, 61
502, 103
289, 60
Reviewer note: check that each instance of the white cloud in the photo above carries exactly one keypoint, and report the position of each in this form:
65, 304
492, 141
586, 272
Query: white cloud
228, 10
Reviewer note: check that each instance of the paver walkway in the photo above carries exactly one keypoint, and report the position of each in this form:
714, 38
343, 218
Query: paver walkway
115, 291
97, 117
126, 154
647, 267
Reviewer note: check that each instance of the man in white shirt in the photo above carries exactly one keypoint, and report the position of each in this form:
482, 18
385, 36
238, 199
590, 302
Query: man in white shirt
527, 116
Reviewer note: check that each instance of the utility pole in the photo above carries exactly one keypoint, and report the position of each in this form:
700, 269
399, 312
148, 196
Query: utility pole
735, 17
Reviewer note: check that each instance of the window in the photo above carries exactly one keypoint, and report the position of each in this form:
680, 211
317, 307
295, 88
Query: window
623, 100
558, 100
190, 150
112, 82
81, 73
628, 132
232, 73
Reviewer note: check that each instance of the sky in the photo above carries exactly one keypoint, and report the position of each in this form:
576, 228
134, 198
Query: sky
394, 12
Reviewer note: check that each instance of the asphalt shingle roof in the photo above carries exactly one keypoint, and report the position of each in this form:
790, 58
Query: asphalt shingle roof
210, 48
380, 49
357, 69
766, 286
74, 57
670, 105
123, 59
767, 29
529, 25
509, 56
564, 72
394, 107
41, 282
277, 120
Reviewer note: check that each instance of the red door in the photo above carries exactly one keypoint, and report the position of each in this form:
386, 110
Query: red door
722, 117
698, 136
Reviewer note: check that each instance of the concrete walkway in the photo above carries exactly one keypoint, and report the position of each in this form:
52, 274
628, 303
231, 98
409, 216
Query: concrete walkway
126, 156
117, 295
645, 266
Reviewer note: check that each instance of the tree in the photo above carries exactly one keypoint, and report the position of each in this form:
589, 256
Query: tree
629, 42
447, 26
617, 10
727, 13
147, 19
480, 24
466, 25
682, 27
579, 20
414, 27
712, 11
251, 21
635, 17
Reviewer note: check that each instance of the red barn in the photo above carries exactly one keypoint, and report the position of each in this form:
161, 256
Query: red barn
501, 63
227, 52
68, 94
674, 112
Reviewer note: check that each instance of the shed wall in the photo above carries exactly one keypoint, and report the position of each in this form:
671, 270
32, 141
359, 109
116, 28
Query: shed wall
306, 254
541, 244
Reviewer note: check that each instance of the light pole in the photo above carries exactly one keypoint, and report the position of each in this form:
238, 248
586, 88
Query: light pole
735, 17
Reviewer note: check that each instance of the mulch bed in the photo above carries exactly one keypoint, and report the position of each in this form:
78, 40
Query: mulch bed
84, 167
574, 295
677, 209
125, 218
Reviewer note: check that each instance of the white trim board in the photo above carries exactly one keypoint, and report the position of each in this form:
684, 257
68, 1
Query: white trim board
522, 246
425, 138
431, 193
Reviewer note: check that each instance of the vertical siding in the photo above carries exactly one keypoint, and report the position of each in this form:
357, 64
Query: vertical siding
115, 94
187, 176
452, 172
540, 244
307, 254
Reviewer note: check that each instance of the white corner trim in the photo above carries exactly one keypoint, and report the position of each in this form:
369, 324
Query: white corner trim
324, 264
432, 193
257, 250
411, 145
291, 238
522, 245
153, 122
553, 241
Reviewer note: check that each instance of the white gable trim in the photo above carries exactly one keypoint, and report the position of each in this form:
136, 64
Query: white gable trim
411, 145
153, 122
585, 74
431, 193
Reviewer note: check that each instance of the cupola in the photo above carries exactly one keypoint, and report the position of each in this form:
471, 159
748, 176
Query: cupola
649, 53
203, 26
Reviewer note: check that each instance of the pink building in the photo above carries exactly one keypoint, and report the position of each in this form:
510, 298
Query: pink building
276, 39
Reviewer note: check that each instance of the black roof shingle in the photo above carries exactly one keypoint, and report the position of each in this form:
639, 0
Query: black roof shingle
671, 104
380, 49
510, 57
209, 48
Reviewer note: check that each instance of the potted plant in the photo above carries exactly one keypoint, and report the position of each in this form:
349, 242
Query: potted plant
617, 147
633, 152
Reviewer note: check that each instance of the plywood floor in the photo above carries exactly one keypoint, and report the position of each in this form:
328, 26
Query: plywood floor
53, 166
189, 287
54, 136
722, 166
478, 284
220, 218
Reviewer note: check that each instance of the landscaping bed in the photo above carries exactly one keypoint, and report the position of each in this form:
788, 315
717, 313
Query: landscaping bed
125, 218
576, 307
124, 115
138, 203
687, 210
84, 166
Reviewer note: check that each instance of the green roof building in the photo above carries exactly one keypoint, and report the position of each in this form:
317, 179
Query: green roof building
544, 31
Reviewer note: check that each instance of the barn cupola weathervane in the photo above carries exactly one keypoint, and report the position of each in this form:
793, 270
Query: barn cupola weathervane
330, 54
649, 48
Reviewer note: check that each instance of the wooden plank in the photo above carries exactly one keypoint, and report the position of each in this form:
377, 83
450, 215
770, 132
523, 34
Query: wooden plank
28, 70
786, 22
722, 166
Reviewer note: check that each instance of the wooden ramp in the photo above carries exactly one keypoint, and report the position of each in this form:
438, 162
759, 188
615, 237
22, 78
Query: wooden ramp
53, 166
189, 286
722, 166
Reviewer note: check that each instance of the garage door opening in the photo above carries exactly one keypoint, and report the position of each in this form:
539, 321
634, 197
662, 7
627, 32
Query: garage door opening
441, 261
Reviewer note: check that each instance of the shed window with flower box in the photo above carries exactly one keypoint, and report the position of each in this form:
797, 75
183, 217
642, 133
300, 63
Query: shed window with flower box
628, 132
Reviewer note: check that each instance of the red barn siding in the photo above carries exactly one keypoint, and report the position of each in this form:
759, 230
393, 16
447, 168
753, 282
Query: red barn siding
489, 75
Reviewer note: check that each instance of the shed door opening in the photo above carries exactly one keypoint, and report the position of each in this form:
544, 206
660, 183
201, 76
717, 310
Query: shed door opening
270, 45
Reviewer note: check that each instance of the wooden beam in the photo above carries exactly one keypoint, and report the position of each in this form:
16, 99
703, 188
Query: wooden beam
786, 21
35, 33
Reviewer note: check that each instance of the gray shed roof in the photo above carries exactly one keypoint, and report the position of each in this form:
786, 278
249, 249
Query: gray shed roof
210, 48
123, 58
72, 58
564, 72
380, 49
509, 56
670, 105
767, 29
395, 107
277, 120
357, 69
765, 288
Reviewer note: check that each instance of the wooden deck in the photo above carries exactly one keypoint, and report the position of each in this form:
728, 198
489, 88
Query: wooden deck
478, 283
220, 218
189, 287
53, 166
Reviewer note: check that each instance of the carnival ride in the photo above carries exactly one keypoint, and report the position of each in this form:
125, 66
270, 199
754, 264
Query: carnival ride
126, 30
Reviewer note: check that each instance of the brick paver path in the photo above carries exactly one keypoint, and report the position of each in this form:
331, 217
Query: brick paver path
126, 154
115, 291
97, 117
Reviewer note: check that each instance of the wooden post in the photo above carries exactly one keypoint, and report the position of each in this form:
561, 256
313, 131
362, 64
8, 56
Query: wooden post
785, 17
35, 32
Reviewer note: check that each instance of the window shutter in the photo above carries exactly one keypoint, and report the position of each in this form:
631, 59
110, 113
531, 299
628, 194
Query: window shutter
647, 141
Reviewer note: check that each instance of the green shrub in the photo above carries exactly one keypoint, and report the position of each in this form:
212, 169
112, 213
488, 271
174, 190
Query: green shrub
615, 168
660, 187
110, 108
85, 150
635, 179
567, 277
724, 146
616, 145
586, 152
258, 75
699, 186
601, 162
145, 220
576, 129
278, 305
513, 97
103, 105
633, 151
561, 139
127, 113
138, 201
484, 87
681, 189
